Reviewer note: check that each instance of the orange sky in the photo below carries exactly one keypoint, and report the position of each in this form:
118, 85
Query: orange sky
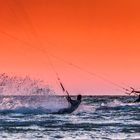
102, 36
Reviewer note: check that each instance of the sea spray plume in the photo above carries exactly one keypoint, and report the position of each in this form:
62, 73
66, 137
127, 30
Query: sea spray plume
14, 85
26, 95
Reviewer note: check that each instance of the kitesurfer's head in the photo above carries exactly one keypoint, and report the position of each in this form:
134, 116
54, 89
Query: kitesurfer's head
79, 97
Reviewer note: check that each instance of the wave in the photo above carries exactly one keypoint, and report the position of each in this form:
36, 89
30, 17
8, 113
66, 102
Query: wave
116, 104
28, 110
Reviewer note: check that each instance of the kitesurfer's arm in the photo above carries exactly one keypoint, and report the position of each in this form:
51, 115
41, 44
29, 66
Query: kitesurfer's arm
72, 102
68, 98
137, 91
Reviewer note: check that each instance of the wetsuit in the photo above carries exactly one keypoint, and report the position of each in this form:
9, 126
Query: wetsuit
73, 105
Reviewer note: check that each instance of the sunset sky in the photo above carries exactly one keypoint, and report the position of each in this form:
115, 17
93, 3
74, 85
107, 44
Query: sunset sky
101, 36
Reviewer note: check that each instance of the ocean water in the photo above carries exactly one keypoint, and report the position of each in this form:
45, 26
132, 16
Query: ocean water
97, 118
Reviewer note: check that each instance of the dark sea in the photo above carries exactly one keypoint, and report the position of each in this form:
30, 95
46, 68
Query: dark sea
97, 118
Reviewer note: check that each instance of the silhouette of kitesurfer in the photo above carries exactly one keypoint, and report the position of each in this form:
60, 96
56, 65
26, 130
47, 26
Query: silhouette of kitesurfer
73, 105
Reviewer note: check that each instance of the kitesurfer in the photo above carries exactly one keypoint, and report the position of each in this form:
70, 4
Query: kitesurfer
73, 105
